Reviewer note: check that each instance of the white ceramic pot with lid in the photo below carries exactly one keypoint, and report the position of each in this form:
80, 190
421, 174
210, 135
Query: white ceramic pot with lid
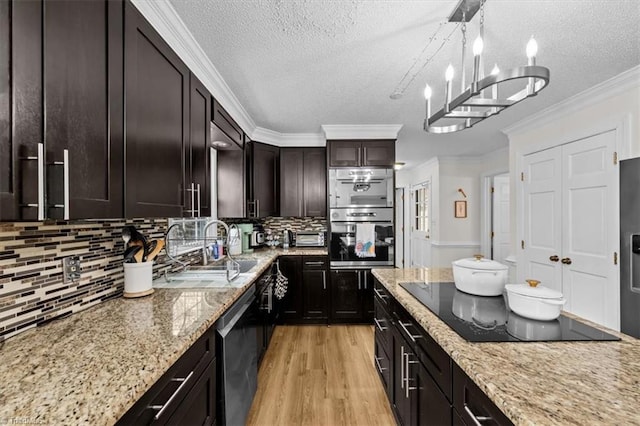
480, 277
534, 301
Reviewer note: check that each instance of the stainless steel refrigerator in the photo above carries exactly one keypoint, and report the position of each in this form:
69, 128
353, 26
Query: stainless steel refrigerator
630, 247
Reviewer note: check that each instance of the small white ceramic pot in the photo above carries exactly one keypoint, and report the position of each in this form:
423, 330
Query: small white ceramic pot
534, 301
480, 277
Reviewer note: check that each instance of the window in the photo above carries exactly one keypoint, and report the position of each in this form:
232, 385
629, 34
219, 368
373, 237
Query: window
421, 200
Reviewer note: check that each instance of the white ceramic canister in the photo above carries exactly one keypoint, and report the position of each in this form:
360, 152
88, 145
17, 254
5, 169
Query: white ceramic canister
138, 279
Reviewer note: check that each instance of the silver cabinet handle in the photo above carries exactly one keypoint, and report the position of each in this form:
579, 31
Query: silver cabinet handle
408, 388
359, 280
162, 408
364, 279
404, 326
65, 184
377, 359
257, 208
324, 280
380, 295
199, 201
477, 420
401, 367
193, 202
314, 263
381, 328
40, 160
270, 301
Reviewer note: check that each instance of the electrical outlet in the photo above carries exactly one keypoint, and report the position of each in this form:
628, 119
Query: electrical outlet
71, 268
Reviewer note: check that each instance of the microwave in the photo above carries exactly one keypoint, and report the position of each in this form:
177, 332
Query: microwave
310, 239
360, 187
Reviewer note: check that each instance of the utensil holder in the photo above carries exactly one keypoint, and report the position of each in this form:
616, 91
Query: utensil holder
138, 279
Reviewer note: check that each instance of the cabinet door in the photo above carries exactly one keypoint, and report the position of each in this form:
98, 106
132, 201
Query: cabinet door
290, 306
83, 107
431, 406
315, 294
315, 182
383, 365
367, 294
345, 295
378, 153
401, 402
231, 182
20, 107
264, 174
157, 114
199, 405
345, 153
223, 120
292, 182
199, 158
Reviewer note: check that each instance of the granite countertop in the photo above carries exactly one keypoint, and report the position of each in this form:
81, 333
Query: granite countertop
91, 367
541, 383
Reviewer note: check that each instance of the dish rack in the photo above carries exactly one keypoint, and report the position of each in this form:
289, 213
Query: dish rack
190, 235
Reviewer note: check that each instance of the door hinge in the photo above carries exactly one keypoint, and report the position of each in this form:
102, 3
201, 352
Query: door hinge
493, 190
522, 244
522, 176
615, 158
493, 234
402, 229
615, 257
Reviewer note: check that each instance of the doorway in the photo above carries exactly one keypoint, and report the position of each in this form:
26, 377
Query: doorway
421, 225
496, 216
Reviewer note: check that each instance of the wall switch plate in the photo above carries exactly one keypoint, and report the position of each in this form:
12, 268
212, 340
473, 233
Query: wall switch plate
71, 268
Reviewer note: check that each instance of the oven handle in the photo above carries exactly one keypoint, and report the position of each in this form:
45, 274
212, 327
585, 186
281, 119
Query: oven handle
367, 214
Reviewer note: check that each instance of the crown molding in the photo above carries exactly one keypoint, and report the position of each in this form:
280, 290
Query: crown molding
623, 82
261, 134
164, 18
361, 131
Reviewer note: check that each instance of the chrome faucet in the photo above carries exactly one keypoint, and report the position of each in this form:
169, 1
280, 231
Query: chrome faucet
205, 249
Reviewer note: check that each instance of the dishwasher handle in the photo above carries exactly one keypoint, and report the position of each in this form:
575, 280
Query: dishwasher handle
227, 328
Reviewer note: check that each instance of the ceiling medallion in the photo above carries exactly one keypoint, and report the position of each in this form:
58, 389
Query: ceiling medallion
483, 97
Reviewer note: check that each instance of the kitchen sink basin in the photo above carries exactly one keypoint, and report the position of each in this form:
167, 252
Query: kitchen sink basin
208, 276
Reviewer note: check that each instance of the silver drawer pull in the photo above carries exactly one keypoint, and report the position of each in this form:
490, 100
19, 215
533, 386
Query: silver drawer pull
380, 369
380, 327
39, 158
477, 420
380, 295
314, 263
404, 326
408, 388
172, 397
65, 184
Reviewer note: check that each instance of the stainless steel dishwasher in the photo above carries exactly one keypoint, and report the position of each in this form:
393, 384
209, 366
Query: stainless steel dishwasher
239, 361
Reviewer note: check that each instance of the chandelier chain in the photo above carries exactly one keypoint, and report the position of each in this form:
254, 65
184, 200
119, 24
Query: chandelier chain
464, 50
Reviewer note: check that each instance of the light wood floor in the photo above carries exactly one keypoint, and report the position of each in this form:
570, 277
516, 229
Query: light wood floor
319, 375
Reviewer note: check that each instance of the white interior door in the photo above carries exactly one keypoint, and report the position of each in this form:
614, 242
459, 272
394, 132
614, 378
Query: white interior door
399, 227
501, 213
420, 227
589, 229
542, 188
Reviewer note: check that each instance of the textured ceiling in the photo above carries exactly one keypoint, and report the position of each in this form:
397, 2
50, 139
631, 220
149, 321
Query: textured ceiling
297, 64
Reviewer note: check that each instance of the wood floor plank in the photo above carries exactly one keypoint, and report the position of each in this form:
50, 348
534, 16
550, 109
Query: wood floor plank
319, 375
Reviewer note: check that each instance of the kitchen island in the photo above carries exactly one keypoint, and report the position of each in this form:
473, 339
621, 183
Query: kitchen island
536, 383
91, 367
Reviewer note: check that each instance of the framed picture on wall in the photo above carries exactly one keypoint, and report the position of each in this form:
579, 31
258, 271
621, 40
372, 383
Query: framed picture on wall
460, 209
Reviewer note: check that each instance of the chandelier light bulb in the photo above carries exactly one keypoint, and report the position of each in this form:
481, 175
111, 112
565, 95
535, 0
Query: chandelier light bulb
427, 92
532, 48
495, 70
448, 75
478, 45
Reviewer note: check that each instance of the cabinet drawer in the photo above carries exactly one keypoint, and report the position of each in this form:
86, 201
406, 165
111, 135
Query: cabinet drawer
314, 262
199, 406
383, 325
472, 404
170, 390
382, 363
382, 295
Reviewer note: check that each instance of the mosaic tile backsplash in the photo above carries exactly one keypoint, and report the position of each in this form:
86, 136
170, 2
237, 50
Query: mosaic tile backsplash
32, 291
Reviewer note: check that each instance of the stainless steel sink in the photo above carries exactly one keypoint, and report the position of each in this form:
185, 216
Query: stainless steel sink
209, 276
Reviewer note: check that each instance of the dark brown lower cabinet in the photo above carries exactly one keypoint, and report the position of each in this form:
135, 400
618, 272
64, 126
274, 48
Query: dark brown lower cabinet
290, 306
352, 295
185, 394
424, 386
315, 288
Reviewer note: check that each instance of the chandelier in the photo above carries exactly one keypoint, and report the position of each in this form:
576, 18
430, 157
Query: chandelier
483, 97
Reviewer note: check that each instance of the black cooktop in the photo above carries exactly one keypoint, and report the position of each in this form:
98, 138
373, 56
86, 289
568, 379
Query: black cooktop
488, 319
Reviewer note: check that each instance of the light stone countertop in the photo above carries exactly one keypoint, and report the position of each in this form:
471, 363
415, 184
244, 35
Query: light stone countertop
537, 383
91, 367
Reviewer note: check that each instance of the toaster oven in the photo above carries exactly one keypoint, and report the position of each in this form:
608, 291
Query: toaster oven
310, 239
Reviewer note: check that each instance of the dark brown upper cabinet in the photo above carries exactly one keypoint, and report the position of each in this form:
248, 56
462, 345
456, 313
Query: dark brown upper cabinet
229, 141
199, 158
263, 170
361, 153
62, 81
303, 182
157, 116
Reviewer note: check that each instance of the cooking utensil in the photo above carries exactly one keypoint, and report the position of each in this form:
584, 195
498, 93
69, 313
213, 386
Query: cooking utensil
159, 245
149, 248
480, 277
139, 255
534, 301
130, 252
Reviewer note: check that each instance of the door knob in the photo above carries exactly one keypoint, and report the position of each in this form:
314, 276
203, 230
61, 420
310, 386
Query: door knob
554, 258
566, 260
